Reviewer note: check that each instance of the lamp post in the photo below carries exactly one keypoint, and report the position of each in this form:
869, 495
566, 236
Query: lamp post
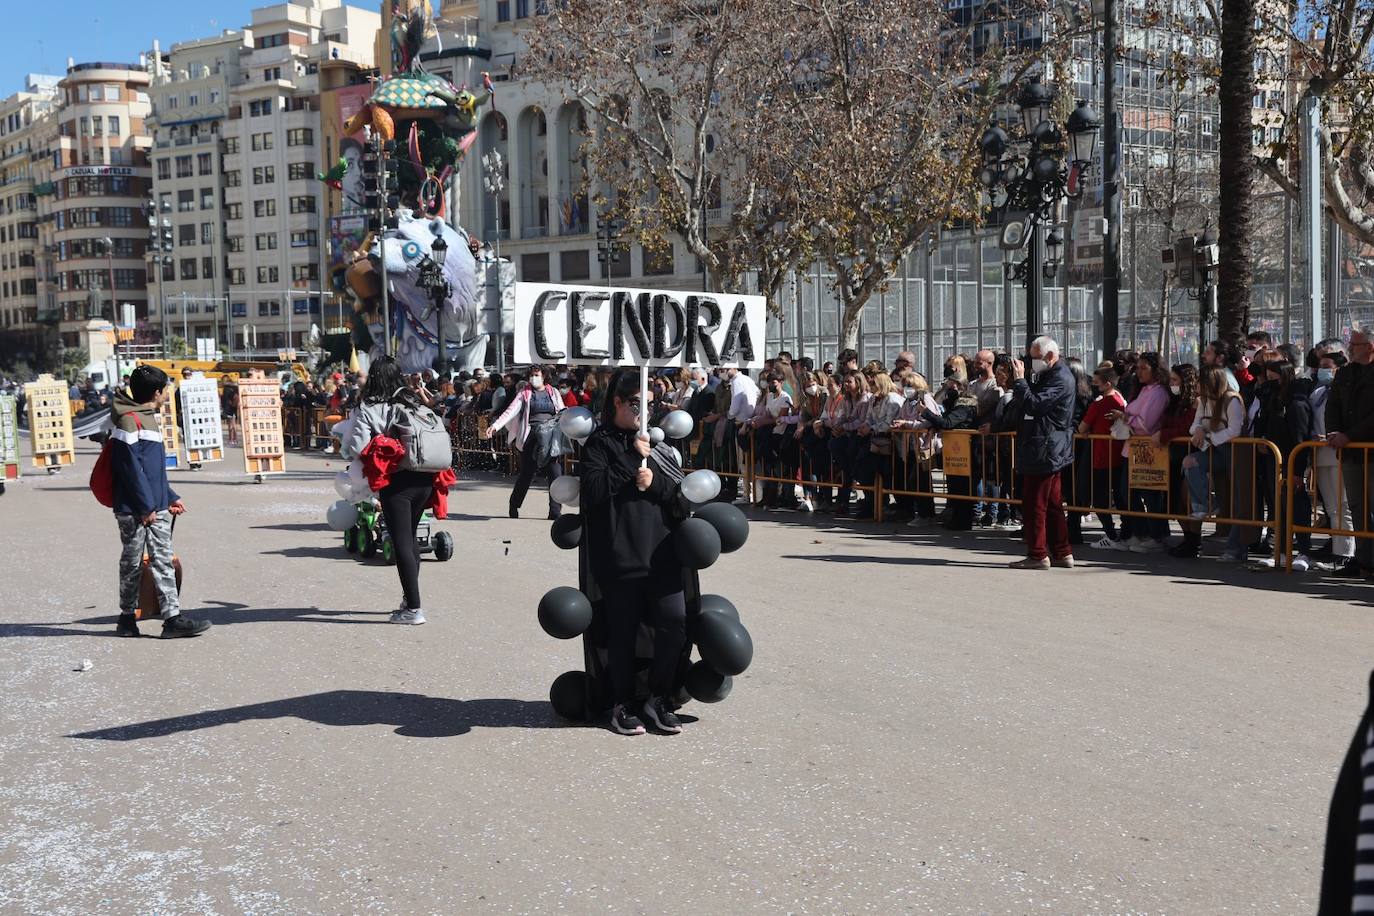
1028, 176
608, 232
432, 279
494, 183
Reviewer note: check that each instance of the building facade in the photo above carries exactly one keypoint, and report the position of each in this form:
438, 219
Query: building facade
272, 153
190, 105
24, 116
95, 179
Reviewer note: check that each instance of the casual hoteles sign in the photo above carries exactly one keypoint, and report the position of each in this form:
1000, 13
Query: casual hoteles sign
597, 326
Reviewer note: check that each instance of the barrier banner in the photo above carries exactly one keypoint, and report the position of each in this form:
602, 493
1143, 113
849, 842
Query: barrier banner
958, 452
1149, 465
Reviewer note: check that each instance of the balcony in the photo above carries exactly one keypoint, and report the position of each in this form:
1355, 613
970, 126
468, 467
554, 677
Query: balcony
534, 232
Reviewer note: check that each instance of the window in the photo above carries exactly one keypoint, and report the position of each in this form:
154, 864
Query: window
262, 141
305, 272
1134, 199
233, 179
534, 268
205, 164
164, 201
239, 309
233, 211
503, 10
188, 268
300, 136
303, 204
183, 166
265, 241
207, 269
111, 94
192, 99
271, 73
231, 144
186, 234
164, 170
1207, 126
214, 96
265, 207
267, 275
264, 174
114, 125
207, 233
97, 126
270, 41
234, 243
186, 201
85, 127
299, 170
259, 108
236, 277
574, 265
308, 239
207, 198
522, 9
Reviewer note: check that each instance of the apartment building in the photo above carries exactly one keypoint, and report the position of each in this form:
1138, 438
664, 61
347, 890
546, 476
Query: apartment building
272, 152
23, 117
190, 93
92, 183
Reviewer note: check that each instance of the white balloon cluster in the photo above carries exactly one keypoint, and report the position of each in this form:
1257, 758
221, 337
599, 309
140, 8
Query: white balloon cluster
342, 515
577, 423
566, 491
701, 487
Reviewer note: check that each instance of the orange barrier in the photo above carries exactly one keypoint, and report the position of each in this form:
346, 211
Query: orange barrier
1340, 484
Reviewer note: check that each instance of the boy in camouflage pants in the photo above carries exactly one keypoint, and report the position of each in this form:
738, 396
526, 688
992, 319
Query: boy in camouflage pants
144, 504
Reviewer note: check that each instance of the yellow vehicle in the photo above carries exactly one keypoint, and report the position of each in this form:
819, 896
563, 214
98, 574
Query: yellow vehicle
217, 369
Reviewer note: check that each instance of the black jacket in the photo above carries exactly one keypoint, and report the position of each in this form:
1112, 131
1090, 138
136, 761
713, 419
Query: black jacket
1350, 407
1284, 421
1045, 440
628, 532
960, 412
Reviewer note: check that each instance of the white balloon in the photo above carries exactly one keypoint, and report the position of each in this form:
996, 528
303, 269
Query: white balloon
576, 422
343, 485
677, 456
677, 425
655, 436
356, 477
701, 486
342, 515
566, 491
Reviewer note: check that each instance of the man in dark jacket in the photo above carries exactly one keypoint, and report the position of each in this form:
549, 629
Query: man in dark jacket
1350, 421
1045, 447
144, 504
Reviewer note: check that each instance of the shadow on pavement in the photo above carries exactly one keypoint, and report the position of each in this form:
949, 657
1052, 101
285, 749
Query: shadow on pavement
413, 715
223, 613
886, 561
294, 526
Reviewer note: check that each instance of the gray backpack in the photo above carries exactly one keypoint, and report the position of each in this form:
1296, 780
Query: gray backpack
427, 443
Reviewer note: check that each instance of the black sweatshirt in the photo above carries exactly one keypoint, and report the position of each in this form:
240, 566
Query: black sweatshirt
627, 531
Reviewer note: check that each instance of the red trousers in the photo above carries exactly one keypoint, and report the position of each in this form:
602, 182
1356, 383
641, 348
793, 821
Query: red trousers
1042, 515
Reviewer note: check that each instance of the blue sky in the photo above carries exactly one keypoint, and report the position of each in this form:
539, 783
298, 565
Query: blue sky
46, 32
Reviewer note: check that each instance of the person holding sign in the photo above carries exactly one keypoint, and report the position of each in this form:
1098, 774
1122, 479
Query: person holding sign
629, 509
1143, 416
534, 410
1046, 448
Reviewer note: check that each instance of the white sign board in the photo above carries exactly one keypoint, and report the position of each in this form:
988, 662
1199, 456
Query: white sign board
599, 326
200, 417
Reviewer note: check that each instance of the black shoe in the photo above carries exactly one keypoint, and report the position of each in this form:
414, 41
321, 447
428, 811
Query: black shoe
553, 515
1348, 570
625, 722
1188, 550
180, 625
1016, 534
1322, 554
1261, 548
127, 626
515, 513
661, 714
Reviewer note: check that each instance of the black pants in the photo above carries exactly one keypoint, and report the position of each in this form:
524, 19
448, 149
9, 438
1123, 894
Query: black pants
552, 471
403, 501
657, 600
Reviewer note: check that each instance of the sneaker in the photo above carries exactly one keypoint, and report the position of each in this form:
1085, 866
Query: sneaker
1301, 564
407, 616
1197, 516
1109, 543
625, 722
1146, 545
181, 625
1227, 556
1028, 563
1187, 550
127, 626
1268, 562
920, 521
661, 714
1065, 562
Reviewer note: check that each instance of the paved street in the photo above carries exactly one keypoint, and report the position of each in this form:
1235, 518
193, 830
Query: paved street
922, 730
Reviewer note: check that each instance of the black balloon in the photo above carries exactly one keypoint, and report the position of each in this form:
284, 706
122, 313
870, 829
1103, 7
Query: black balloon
565, 612
697, 543
567, 530
569, 695
707, 685
730, 523
724, 643
696, 627
718, 603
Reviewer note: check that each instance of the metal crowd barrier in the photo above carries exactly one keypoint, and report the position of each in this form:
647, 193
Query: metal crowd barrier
1328, 485
472, 452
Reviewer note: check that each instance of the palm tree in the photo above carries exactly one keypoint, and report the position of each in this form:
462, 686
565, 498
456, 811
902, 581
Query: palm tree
1235, 92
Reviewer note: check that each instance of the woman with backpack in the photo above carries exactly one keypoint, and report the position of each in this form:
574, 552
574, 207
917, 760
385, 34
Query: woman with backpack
534, 409
408, 492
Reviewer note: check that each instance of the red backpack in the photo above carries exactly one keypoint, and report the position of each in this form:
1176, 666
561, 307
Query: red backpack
102, 475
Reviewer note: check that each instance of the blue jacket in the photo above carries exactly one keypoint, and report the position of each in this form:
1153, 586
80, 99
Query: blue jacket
1045, 440
137, 459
